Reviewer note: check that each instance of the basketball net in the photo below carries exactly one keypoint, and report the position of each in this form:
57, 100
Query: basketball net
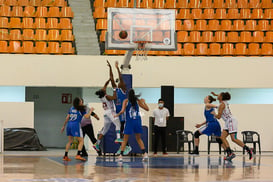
142, 48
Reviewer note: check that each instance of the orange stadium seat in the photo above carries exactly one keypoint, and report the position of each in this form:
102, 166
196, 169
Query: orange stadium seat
54, 35
4, 34
4, 22
5, 10
28, 34
47, 2
41, 48
194, 4
3, 47
219, 4
60, 3
231, 4
206, 4
266, 4
40, 23
178, 52
232, 37
17, 11
228, 49
258, 36
101, 24
35, 2
221, 14
242, 4
54, 48
99, 4
263, 25
241, 49
27, 23
245, 37
28, 47
40, 34
102, 36
226, 25
201, 25
111, 3
257, 14
220, 36
15, 23
65, 23
250, 25
123, 4
207, 37
66, 48
11, 2
267, 49
15, 47
52, 23
195, 36
268, 13
182, 4
158, 4
214, 49
146, 4
67, 35
188, 25
66, 12
23, 2
54, 12
182, 36
254, 49
15, 34
254, 4
189, 49
233, 13
178, 25
209, 14
41, 11
269, 37
184, 14
245, 14
238, 25
201, 49
196, 14
99, 13
213, 25
29, 11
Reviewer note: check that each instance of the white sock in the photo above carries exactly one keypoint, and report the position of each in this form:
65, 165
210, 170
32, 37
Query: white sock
118, 133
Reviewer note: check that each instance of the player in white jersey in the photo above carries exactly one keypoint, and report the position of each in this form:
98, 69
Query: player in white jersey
109, 110
230, 127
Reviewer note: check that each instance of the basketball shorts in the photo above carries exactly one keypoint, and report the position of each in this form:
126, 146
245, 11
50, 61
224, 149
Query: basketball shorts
132, 126
211, 128
231, 126
74, 129
108, 119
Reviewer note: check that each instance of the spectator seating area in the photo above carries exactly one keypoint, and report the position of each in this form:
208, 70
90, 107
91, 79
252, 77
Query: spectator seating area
206, 27
36, 27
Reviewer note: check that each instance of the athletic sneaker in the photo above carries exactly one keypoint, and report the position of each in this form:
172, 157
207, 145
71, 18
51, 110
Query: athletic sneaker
127, 150
145, 157
119, 150
250, 153
65, 158
96, 147
230, 157
78, 157
118, 140
195, 152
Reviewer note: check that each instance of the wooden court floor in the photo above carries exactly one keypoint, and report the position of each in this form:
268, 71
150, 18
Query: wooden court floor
48, 166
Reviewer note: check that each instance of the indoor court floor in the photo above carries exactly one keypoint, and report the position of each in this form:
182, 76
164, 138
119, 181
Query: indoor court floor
48, 166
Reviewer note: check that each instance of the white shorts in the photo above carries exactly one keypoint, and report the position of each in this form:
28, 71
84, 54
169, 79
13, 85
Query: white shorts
108, 120
231, 126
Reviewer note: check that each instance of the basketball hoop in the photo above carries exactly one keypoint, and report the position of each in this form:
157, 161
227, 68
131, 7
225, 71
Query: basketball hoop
142, 48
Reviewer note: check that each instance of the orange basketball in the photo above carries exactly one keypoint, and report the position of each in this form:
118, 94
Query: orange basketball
123, 34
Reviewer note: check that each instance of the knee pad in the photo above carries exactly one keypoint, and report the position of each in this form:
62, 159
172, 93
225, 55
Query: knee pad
219, 140
197, 134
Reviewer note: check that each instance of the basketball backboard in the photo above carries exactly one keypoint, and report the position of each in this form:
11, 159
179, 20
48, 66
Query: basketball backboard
155, 26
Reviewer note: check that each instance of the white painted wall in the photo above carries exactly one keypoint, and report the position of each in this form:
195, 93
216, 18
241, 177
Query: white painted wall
17, 114
191, 72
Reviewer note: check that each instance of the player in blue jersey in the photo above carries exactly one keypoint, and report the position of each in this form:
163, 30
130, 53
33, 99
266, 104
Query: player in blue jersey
133, 121
121, 96
73, 128
208, 127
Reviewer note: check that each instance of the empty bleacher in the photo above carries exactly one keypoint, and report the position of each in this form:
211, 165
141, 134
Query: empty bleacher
206, 27
36, 27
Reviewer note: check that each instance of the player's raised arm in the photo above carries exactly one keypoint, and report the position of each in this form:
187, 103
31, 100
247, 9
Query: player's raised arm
121, 84
143, 104
111, 75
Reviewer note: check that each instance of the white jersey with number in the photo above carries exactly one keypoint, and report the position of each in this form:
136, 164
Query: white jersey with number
226, 115
108, 104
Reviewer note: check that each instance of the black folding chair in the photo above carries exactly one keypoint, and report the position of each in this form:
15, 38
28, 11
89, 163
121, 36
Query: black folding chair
184, 136
212, 139
252, 137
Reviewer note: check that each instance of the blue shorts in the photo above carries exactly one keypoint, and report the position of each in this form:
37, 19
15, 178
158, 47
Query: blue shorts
74, 129
211, 128
132, 126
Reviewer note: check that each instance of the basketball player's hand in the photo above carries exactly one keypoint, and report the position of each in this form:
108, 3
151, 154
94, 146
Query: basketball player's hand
92, 109
213, 93
198, 125
62, 130
116, 64
142, 100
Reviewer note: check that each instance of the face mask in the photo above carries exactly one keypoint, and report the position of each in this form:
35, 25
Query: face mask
160, 105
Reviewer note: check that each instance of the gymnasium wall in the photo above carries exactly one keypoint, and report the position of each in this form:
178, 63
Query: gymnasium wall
92, 71
17, 114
